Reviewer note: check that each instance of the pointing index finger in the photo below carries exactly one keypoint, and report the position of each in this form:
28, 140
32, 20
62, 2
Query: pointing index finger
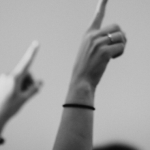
99, 15
27, 59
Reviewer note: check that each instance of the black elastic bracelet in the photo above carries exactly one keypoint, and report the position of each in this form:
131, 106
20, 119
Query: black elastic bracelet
2, 141
79, 106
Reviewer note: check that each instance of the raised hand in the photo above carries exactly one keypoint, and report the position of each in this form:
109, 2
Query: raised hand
98, 47
18, 86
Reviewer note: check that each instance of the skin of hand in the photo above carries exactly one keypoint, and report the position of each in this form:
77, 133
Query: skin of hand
18, 86
76, 126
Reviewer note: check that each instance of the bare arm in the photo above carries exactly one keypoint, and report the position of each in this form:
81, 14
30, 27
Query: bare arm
75, 131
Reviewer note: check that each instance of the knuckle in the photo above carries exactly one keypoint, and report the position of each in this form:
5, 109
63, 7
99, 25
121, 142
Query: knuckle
116, 27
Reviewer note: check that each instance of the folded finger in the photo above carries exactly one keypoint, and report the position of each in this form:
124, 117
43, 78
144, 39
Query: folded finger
115, 50
118, 37
108, 30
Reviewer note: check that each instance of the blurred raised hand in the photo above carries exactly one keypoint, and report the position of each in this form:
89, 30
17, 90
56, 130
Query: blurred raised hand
18, 86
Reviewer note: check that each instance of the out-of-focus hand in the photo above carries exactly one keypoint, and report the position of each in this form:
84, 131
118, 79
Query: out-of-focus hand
18, 86
97, 48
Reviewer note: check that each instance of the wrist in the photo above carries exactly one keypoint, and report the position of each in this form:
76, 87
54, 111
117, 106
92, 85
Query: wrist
80, 92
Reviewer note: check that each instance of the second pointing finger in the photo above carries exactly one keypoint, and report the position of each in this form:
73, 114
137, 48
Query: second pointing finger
27, 59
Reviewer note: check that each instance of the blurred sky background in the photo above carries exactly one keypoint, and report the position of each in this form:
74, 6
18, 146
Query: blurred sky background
122, 99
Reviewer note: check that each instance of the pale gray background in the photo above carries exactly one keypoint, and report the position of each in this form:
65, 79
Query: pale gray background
123, 96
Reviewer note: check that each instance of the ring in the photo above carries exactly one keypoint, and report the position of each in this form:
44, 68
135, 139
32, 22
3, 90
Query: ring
110, 37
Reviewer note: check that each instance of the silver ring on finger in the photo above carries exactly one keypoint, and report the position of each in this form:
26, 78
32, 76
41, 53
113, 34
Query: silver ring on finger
110, 38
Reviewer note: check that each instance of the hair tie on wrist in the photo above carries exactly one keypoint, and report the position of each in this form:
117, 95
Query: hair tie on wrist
2, 141
79, 106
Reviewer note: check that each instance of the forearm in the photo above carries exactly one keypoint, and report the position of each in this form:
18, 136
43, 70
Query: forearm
2, 124
5, 116
76, 128
3, 121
